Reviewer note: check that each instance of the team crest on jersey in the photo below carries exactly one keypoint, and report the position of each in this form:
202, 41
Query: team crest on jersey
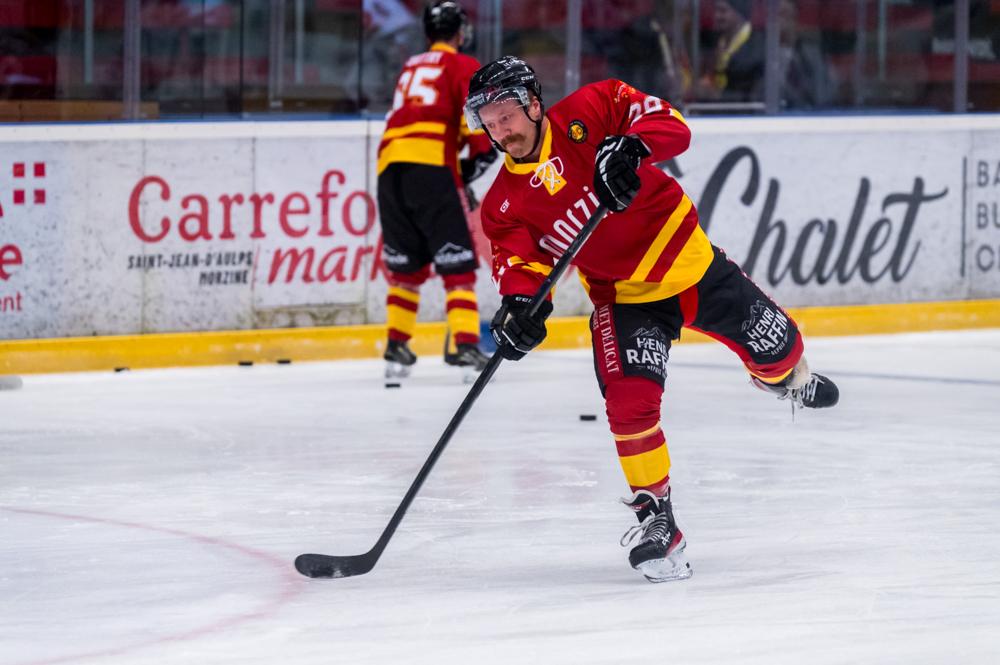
549, 175
577, 131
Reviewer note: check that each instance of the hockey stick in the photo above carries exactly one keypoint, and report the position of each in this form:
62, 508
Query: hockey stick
326, 565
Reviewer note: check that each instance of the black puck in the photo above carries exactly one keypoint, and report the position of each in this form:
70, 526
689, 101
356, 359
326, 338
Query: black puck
587, 417
284, 361
245, 363
390, 384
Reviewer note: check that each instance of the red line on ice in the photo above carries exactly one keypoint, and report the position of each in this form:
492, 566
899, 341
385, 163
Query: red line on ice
291, 585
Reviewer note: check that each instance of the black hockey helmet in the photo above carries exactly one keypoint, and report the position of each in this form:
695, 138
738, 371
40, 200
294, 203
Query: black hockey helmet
443, 19
506, 78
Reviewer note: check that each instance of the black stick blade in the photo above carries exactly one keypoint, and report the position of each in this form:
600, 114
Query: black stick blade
324, 565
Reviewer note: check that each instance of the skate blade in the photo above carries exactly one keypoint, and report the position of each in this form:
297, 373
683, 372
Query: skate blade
469, 374
671, 568
394, 370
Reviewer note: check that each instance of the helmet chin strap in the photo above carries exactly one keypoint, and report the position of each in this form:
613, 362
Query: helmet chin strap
538, 132
493, 140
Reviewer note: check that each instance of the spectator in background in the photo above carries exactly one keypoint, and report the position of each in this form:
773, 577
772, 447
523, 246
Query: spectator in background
392, 33
671, 23
173, 52
806, 81
736, 72
13, 53
643, 42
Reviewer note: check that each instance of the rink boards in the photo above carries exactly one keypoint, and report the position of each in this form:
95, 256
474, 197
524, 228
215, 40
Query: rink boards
195, 243
366, 341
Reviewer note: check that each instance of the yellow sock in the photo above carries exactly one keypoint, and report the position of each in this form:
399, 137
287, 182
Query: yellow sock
401, 306
463, 317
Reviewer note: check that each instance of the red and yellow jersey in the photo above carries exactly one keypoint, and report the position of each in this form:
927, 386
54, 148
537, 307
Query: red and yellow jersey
652, 250
426, 124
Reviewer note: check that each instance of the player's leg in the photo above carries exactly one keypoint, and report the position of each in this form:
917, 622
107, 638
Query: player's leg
462, 341
441, 218
407, 264
402, 304
631, 346
728, 306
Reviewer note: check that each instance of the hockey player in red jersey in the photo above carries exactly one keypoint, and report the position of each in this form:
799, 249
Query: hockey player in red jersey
419, 177
649, 269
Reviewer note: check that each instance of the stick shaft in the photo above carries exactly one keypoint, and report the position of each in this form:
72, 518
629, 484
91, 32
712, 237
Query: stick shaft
484, 377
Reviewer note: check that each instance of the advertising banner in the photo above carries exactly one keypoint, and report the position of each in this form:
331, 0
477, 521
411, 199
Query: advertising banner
123, 229
857, 211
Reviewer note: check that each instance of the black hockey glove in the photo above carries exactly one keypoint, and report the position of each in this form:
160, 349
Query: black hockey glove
515, 332
615, 179
473, 167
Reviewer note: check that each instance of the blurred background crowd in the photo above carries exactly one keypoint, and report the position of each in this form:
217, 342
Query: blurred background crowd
219, 59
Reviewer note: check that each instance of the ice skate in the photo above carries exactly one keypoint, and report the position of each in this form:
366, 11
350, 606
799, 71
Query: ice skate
399, 360
467, 355
803, 388
659, 556
469, 359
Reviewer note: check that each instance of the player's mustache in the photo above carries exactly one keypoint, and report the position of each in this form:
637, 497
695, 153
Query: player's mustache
513, 138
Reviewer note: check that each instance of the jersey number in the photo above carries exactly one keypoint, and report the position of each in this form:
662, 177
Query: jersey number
417, 85
649, 105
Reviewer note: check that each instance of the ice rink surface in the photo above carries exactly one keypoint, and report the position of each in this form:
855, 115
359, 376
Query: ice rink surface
153, 516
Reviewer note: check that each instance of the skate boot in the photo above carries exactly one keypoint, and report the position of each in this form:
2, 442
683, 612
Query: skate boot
398, 359
659, 556
467, 355
803, 388
469, 358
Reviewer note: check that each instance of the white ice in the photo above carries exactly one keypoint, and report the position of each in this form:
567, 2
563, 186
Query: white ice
153, 516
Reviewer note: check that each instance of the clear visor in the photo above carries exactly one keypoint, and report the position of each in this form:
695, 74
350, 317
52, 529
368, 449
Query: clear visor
477, 101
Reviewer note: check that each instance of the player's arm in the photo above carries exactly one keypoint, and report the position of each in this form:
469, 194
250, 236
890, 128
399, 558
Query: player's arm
638, 126
662, 129
518, 271
481, 153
